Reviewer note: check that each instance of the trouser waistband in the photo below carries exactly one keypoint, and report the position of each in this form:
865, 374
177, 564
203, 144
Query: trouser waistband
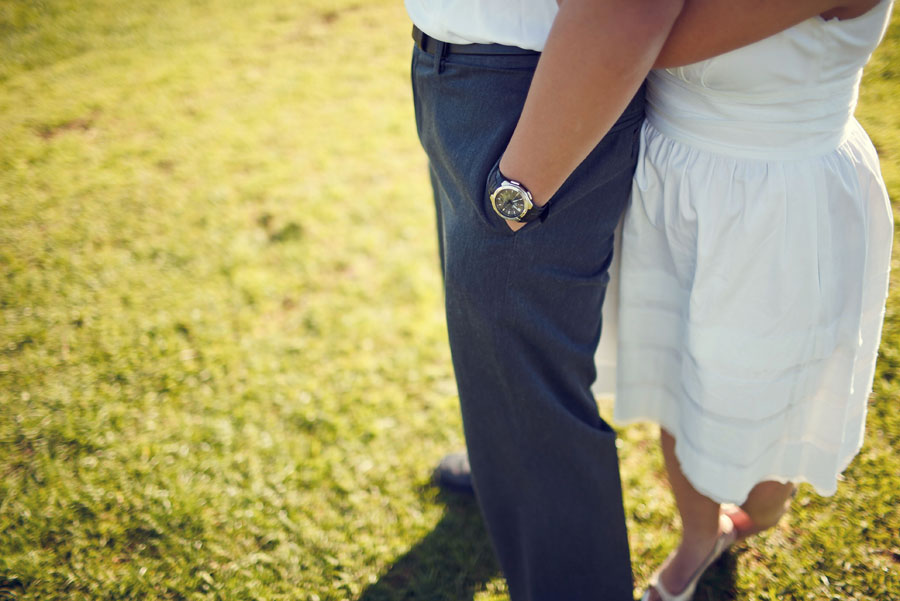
430, 45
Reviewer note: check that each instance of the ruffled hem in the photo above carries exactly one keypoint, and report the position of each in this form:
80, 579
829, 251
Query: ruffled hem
797, 462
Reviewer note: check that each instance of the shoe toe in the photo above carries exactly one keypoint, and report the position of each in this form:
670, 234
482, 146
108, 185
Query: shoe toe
454, 472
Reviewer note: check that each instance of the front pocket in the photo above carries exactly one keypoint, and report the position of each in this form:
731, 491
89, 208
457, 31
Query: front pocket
613, 159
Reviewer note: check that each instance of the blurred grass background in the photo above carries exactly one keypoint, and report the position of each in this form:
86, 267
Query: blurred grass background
223, 366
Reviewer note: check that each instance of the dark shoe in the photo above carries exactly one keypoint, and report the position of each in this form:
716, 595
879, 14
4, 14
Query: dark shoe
453, 473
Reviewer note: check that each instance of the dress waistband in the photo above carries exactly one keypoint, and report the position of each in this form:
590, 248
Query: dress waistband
809, 123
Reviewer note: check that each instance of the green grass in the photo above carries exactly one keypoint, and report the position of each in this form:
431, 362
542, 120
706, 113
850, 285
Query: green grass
223, 366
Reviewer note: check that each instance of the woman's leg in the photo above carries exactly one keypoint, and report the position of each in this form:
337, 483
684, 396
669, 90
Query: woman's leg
765, 505
699, 521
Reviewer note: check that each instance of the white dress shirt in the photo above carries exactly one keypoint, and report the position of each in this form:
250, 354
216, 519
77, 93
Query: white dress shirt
522, 23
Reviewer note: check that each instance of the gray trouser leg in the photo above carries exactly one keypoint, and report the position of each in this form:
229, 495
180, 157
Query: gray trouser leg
523, 312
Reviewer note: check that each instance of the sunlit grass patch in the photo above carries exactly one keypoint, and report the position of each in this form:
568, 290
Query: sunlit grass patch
223, 366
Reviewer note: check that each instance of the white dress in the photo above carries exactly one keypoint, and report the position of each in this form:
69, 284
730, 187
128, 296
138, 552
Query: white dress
755, 261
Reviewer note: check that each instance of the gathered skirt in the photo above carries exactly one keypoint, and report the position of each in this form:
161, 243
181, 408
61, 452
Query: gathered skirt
751, 299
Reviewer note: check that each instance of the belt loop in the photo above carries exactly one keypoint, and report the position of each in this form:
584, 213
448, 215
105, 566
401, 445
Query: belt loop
440, 51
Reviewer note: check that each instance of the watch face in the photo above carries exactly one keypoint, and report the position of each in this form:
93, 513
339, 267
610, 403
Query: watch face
509, 202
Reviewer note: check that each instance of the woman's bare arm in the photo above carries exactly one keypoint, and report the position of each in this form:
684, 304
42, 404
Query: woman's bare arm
595, 58
707, 28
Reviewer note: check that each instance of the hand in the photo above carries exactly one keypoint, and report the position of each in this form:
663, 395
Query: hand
515, 225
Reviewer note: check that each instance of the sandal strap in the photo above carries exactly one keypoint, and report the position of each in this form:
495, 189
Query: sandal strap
723, 541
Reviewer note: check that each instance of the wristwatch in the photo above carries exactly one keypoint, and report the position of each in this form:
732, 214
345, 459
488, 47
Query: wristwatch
511, 200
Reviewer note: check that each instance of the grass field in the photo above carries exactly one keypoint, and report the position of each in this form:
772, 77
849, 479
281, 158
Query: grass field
223, 365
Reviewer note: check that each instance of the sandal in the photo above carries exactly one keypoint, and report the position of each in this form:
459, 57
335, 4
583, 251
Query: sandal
725, 540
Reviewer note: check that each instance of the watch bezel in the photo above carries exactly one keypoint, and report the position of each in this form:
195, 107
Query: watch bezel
515, 186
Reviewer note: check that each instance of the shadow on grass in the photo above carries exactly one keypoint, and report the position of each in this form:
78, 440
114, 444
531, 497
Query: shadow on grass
450, 564
10, 588
456, 559
719, 583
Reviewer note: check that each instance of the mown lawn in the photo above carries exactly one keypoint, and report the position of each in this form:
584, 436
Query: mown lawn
223, 366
